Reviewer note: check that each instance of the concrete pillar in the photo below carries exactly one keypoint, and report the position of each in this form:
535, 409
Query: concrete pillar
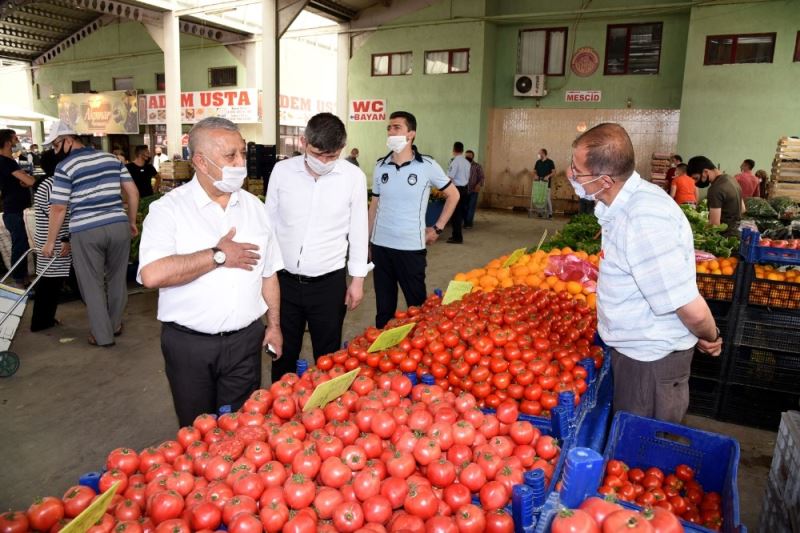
172, 81
342, 71
269, 72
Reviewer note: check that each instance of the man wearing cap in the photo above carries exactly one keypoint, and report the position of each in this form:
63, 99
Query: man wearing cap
89, 183
15, 186
401, 185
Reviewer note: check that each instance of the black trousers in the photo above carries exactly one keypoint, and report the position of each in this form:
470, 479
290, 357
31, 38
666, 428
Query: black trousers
320, 304
206, 372
460, 213
393, 267
45, 303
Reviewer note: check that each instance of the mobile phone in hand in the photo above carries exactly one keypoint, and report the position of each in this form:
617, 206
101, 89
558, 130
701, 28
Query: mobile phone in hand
270, 350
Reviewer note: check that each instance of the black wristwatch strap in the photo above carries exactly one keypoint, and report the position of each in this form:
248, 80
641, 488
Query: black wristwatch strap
437, 229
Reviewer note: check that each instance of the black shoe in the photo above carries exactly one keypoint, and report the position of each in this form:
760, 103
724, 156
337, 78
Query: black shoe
451, 240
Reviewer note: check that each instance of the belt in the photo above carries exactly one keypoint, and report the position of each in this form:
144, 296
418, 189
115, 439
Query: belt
307, 279
184, 329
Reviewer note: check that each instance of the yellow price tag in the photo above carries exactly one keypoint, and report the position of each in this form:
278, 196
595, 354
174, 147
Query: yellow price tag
330, 390
87, 518
390, 337
514, 257
456, 290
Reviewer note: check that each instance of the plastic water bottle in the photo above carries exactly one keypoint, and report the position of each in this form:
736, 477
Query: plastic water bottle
428, 379
522, 506
302, 366
412, 376
566, 399
535, 480
91, 480
583, 471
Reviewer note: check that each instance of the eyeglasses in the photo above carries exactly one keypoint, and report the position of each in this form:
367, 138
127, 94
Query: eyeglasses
574, 172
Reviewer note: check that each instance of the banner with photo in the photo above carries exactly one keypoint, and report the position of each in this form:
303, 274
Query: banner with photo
112, 112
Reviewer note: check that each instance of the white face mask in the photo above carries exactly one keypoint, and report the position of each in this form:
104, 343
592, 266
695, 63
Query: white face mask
318, 166
232, 178
581, 192
396, 143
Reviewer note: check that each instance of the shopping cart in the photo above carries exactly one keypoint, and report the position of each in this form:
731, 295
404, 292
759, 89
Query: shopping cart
11, 311
538, 199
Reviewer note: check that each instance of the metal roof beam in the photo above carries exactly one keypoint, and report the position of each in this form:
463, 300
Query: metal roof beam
332, 9
73, 39
8, 31
25, 23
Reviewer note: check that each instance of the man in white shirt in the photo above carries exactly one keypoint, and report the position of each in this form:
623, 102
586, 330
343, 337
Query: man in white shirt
209, 248
159, 158
458, 171
317, 204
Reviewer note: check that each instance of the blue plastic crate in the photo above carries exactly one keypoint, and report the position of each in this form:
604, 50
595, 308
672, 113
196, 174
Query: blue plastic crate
753, 253
644, 442
591, 426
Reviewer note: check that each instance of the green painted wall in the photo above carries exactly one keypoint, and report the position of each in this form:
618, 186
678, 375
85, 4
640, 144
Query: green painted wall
660, 91
448, 107
733, 112
126, 49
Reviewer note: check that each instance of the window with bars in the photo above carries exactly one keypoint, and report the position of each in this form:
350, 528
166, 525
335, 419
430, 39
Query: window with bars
161, 82
392, 64
633, 48
743, 48
84, 86
222, 77
447, 61
542, 51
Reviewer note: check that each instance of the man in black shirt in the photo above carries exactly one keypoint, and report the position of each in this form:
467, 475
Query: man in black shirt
142, 171
15, 186
544, 170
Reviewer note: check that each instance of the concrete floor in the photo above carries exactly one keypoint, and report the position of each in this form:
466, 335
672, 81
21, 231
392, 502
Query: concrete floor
70, 404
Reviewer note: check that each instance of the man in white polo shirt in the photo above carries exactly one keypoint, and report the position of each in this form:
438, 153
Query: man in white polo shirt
458, 171
209, 248
317, 204
648, 308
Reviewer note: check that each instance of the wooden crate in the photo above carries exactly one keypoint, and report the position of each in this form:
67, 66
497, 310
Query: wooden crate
792, 190
255, 186
176, 170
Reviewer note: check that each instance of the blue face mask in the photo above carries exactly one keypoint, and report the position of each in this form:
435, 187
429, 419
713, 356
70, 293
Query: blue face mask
581, 192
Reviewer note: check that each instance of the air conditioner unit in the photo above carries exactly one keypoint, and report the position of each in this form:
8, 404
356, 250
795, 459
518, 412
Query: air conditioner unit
529, 85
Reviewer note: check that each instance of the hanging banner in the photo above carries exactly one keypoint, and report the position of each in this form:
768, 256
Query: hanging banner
112, 112
237, 105
367, 110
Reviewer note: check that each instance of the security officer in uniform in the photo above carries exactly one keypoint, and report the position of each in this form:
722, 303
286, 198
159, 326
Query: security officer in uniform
401, 184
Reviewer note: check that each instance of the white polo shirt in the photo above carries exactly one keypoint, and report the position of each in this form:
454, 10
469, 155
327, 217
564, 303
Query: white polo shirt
320, 223
187, 220
459, 170
646, 274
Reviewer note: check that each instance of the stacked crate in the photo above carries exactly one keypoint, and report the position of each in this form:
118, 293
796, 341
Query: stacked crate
659, 165
173, 174
780, 510
785, 179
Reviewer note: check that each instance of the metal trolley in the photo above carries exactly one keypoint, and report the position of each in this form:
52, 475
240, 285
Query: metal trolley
11, 313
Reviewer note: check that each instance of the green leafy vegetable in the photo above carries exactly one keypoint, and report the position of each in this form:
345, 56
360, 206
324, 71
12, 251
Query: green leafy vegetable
582, 232
709, 238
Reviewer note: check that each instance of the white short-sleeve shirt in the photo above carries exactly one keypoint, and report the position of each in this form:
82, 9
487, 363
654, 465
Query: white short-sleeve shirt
185, 221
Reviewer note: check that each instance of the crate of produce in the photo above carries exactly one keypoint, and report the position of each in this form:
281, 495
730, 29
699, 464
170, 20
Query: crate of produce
592, 424
768, 329
766, 286
716, 287
167, 185
755, 406
768, 369
176, 170
754, 250
642, 442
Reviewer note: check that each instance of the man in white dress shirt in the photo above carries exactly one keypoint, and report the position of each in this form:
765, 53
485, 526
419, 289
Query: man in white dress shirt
458, 171
317, 204
208, 246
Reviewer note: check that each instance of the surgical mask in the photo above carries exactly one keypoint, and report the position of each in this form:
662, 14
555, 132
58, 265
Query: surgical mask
232, 178
318, 167
581, 192
469, 159
396, 143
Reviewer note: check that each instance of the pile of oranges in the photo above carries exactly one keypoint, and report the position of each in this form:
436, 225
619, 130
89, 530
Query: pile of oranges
771, 273
722, 266
785, 296
530, 270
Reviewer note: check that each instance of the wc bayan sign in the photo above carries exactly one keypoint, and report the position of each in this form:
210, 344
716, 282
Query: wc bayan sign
367, 110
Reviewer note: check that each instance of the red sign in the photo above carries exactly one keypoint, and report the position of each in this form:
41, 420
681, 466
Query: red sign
237, 105
367, 110
584, 61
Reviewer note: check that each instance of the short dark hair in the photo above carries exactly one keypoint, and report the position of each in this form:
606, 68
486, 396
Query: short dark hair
677, 157
543, 150
140, 149
326, 133
698, 164
750, 163
6, 136
458, 147
681, 167
609, 150
469, 152
411, 121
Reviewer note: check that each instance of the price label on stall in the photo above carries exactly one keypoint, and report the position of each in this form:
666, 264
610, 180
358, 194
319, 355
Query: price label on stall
390, 337
87, 518
514, 257
330, 390
456, 290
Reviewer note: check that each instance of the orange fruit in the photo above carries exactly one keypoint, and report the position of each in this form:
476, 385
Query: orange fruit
560, 286
460, 277
551, 280
573, 287
591, 300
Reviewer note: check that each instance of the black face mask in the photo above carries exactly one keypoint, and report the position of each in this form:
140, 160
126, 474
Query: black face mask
469, 159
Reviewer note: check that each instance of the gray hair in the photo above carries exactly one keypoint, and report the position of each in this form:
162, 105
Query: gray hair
210, 123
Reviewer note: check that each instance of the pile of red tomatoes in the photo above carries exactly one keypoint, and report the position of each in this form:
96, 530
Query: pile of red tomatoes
597, 515
385, 456
516, 343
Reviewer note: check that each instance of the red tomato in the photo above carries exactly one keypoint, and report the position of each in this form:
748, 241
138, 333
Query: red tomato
75, 500
499, 521
164, 505
245, 522
574, 521
45, 512
273, 517
299, 491
546, 447
377, 509
599, 508
14, 522
348, 516
124, 459
494, 495
205, 516
470, 519
626, 521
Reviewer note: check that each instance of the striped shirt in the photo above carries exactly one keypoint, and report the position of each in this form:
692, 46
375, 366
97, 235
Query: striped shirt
89, 182
41, 205
647, 272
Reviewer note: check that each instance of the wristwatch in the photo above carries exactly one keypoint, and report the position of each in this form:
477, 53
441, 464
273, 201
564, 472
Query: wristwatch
437, 229
719, 334
219, 256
